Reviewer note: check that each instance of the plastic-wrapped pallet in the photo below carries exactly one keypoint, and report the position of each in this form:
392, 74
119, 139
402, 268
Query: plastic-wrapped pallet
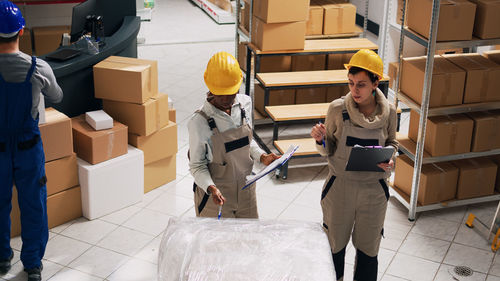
205, 249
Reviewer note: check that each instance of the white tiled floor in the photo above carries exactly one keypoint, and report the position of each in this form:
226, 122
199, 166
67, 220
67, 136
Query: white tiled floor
124, 245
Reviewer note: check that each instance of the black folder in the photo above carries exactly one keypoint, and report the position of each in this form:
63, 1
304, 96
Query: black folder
365, 159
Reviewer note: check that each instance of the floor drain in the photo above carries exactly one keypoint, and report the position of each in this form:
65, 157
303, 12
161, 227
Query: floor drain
463, 271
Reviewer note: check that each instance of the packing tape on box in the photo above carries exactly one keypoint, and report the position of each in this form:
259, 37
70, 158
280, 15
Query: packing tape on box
340, 18
447, 85
454, 132
442, 178
111, 139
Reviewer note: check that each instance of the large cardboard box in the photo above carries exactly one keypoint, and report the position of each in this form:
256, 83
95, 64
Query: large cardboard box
111, 185
393, 73
314, 24
280, 11
486, 135
447, 86
159, 173
25, 43
139, 62
482, 79
487, 21
278, 36
158, 145
48, 38
61, 174
276, 97
438, 181
339, 17
496, 160
449, 51
310, 95
126, 82
275, 64
476, 177
444, 135
141, 119
456, 18
337, 61
308, 63
98, 146
493, 55
56, 135
335, 92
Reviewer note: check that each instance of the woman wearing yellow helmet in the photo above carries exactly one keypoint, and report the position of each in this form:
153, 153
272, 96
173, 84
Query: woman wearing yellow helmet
354, 203
221, 147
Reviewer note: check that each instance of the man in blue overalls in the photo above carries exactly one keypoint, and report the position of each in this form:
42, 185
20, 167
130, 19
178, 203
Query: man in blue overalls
22, 160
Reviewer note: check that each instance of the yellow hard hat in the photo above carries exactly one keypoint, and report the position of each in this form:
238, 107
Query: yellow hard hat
367, 60
223, 74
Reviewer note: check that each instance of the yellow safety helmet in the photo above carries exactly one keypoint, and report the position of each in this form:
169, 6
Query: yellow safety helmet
367, 60
223, 74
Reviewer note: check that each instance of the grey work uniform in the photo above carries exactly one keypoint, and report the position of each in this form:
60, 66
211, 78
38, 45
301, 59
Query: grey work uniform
354, 203
229, 168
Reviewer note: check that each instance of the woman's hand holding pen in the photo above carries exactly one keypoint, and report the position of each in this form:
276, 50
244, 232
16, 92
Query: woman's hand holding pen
318, 132
386, 166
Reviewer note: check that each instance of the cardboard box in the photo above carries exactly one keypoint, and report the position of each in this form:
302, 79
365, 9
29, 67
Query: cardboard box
275, 64
64, 206
141, 119
61, 174
447, 86
456, 18
158, 145
111, 185
48, 38
276, 97
223, 4
339, 17
487, 21
98, 146
337, 61
444, 135
245, 17
333, 93
171, 115
449, 51
438, 181
278, 36
56, 134
308, 62
482, 77
486, 135
310, 95
242, 55
126, 82
314, 24
139, 62
399, 12
476, 177
493, 55
393, 73
25, 43
99, 120
280, 11
159, 173
496, 160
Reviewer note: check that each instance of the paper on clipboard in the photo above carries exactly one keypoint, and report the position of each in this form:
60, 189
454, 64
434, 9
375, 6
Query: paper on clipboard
273, 166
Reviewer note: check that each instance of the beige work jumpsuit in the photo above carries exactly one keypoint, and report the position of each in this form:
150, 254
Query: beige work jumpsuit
355, 202
230, 165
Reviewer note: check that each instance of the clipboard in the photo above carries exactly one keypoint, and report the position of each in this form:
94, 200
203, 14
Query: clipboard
365, 159
273, 166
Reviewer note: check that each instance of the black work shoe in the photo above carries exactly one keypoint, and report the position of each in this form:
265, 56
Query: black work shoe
5, 264
35, 274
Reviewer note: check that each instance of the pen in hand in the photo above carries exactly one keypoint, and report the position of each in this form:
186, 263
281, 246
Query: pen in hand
323, 141
220, 212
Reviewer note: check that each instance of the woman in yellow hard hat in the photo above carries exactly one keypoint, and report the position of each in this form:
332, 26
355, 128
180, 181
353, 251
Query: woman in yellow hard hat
221, 147
354, 203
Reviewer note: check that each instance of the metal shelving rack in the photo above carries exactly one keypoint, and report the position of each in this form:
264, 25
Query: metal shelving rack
416, 153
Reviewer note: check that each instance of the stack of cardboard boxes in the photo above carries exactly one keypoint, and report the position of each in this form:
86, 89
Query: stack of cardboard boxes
458, 19
456, 79
129, 89
279, 24
331, 17
63, 192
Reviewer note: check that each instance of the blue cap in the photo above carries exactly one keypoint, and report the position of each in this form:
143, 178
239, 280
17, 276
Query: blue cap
11, 19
